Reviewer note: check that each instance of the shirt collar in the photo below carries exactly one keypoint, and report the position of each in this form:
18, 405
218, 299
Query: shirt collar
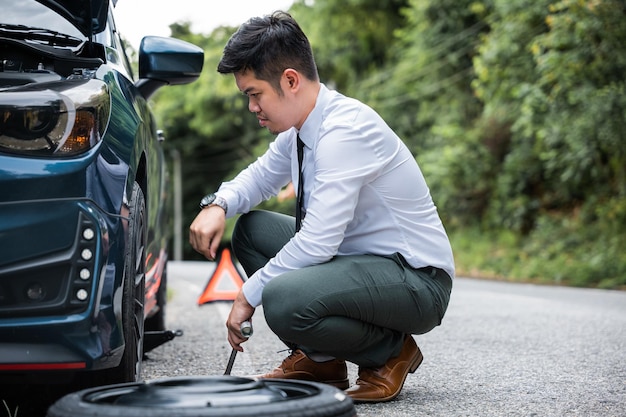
313, 123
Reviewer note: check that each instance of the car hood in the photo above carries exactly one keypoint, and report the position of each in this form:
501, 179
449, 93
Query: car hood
89, 16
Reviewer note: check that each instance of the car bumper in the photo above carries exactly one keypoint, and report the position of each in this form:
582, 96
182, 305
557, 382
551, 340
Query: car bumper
60, 286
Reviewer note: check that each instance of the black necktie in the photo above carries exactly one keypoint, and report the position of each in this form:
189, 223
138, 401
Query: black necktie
300, 197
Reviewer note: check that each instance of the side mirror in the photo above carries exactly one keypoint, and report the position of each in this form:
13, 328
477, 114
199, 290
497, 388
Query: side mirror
167, 61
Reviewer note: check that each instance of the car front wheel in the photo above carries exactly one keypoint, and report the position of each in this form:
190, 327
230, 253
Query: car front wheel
129, 369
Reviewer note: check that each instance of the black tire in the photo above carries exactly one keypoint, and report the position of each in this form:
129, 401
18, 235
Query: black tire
208, 396
129, 369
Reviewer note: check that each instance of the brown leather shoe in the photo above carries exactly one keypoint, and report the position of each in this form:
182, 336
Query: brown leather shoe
298, 366
385, 383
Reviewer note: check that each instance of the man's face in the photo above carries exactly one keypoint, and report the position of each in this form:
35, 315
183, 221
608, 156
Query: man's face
273, 110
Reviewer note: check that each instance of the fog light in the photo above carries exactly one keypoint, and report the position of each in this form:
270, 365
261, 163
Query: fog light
82, 294
86, 254
88, 234
35, 291
84, 274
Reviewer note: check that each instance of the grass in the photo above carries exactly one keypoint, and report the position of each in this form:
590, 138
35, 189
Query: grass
554, 253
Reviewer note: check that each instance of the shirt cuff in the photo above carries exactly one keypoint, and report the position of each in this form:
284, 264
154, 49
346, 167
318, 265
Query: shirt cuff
230, 199
253, 291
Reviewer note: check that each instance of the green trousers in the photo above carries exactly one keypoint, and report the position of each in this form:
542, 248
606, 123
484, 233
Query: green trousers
358, 307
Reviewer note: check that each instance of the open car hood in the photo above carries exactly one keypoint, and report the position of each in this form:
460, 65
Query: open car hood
89, 16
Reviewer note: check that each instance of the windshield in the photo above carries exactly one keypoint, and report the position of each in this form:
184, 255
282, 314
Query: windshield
25, 15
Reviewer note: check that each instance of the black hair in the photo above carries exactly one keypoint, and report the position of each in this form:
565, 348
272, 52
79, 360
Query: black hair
268, 45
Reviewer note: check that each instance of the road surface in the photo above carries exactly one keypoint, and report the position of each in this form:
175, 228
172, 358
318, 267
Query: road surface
503, 349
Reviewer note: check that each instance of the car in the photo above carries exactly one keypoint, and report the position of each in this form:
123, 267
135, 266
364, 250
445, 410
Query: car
84, 191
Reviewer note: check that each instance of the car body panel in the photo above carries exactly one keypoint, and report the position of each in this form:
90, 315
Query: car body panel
89, 17
64, 219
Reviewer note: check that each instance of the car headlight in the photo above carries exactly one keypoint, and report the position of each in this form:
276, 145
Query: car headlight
60, 119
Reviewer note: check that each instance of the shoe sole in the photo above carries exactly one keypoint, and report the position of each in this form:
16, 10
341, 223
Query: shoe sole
412, 368
342, 384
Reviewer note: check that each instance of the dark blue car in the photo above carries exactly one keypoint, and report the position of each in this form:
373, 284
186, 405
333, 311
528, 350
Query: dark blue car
83, 191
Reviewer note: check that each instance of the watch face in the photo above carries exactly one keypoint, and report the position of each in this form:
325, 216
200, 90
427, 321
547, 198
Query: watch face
208, 199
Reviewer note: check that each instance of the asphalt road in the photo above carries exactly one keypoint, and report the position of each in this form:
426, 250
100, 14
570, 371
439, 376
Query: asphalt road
504, 349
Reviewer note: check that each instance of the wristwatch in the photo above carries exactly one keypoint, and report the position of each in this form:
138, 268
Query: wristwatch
214, 200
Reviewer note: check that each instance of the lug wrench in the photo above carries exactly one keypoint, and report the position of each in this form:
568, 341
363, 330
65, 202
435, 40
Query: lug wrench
246, 331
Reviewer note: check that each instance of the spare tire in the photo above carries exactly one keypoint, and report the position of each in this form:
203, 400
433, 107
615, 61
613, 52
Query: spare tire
207, 396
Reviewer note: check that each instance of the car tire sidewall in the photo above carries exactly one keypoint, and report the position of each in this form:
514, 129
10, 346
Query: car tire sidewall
328, 402
135, 284
129, 369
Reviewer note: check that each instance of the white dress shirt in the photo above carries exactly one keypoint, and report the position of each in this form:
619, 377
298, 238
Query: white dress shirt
363, 193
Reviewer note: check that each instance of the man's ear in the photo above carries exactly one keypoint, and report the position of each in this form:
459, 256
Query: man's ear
292, 79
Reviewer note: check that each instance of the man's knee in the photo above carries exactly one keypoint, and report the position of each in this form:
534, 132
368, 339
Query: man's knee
280, 306
245, 243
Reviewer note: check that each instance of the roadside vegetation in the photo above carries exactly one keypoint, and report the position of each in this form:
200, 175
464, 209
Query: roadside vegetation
515, 110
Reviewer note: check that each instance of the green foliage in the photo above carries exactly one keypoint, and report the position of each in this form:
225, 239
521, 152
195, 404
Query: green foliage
581, 65
427, 84
349, 38
560, 250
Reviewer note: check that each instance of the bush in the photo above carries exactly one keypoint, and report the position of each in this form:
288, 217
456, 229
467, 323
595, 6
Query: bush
585, 249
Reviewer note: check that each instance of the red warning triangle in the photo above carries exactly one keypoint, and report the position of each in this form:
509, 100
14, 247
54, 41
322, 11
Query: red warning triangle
225, 283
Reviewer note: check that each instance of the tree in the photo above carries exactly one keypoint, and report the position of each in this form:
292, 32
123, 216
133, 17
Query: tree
555, 73
581, 68
425, 93
350, 39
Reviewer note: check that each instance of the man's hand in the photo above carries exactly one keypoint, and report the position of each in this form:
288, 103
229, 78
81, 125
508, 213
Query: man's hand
206, 231
240, 312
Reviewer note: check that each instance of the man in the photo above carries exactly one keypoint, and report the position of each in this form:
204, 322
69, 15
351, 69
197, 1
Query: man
366, 263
